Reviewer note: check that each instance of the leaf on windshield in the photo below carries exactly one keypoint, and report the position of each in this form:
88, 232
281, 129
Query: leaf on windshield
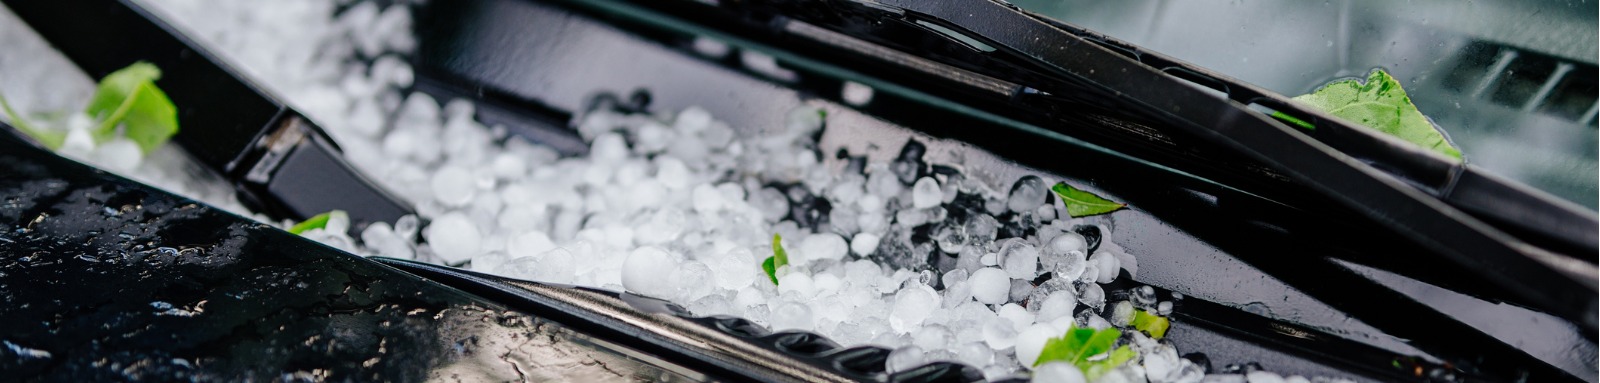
1377, 103
1082, 203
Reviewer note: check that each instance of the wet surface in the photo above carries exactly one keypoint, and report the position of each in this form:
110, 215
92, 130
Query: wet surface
108, 280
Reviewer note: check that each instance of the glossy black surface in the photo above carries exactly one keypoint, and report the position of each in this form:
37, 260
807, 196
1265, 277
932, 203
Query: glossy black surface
104, 279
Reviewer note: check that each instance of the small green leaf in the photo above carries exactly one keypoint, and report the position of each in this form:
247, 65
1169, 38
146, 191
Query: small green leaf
1082, 347
1077, 345
772, 270
778, 259
1152, 324
1292, 120
315, 222
1118, 357
52, 139
1381, 104
1082, 203
130, 98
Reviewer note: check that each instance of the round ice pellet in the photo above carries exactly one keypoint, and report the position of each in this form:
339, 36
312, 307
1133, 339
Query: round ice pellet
1028, 193
1107, 264
648, 271
692, 278
904, 358
672, 173
338, 222
692, 120
1071, 265
1020, 259
1159, 364
822, 246
1058, 304
926, 193
706, 199
827, 283
1020, 317
1031, 341
555, 266
454, 237
798, 283
791, 316
1092, 295
119, 153
1121, 314
990, 286
911, 306
1066, 242
380, 237
931, 337
999, 334
608, 147
78, 142
1128, 262
508, 166
1098, 323
453, 185
863, 244
975, 353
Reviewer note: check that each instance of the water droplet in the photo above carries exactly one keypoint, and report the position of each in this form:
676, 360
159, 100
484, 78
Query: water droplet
1257, 308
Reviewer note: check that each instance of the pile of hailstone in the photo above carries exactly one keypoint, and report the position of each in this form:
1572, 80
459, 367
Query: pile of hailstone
900, 254
903, 254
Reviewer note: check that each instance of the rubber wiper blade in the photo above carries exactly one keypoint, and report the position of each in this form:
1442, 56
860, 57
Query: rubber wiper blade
281, 163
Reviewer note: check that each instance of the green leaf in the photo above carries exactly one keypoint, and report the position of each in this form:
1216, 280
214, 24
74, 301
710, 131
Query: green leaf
778, 259
1381, 104
1083, 347
1118, 357
772, 270
1292, 120
52, 139
1152, 324
129, 98
1077, 345
315, 222
1082, 203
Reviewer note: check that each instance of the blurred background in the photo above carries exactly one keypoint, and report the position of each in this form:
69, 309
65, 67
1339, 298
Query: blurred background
1512, 82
